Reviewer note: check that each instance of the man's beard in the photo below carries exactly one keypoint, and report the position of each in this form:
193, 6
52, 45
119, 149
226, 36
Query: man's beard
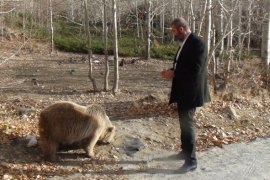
178, 38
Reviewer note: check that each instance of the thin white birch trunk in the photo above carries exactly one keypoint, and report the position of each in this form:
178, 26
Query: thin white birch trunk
107, 69
193, 19
72, 9
148, 33
221, 27
24, 18
137, 19
268, 33
162, 21
240, 44
202, 18
267, 48
249, 26
115, 42
208, 24
51, 26
2, 21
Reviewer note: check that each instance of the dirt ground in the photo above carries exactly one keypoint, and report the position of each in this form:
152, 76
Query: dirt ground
144, 121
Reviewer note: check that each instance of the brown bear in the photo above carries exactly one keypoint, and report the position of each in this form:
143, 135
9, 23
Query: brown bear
67, 124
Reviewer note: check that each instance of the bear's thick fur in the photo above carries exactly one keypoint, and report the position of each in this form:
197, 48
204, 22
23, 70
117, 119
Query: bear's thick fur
66, 124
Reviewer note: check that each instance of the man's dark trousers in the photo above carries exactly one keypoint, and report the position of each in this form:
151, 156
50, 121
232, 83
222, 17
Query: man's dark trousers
187, 127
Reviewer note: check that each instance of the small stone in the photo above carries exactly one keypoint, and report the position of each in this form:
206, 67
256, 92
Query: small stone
232, 113
6, 177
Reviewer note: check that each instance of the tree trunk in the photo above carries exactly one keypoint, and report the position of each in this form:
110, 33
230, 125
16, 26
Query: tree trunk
137, 19
71, 13
148, 33
115, 42
2, 21
173, 9
202, 18
88, 33
51, 26
229, 46
249, 26
221, 27
193, 18
240, 45
267, 29
24, 14
208, 24
162, 21
107, 70
267, 48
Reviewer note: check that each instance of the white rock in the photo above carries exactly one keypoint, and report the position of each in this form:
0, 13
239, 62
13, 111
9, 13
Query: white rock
96, 61
6, 177
32, 140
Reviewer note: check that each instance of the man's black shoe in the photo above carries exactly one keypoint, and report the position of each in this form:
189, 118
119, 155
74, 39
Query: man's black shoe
188, 166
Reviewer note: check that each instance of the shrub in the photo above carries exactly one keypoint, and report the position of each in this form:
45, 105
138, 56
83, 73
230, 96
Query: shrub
164, 52
70, 44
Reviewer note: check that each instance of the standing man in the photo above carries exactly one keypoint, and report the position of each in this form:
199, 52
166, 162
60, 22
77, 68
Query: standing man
189, 86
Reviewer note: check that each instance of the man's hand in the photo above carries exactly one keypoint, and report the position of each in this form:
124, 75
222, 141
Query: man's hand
167, 74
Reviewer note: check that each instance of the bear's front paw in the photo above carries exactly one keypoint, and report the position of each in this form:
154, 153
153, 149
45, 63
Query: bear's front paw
90, 154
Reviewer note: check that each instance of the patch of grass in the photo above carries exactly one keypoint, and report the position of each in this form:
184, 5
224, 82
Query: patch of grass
163, 52
70, 44
41, 34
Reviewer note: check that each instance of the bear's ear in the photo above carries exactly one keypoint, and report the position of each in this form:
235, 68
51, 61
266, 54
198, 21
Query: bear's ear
110, 129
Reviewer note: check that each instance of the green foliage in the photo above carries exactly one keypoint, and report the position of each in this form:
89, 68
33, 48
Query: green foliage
128, 46
70, 37
70, 44
164, 52
97, 45
41, 33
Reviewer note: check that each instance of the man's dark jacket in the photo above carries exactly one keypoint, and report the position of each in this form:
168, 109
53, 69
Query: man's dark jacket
189, 85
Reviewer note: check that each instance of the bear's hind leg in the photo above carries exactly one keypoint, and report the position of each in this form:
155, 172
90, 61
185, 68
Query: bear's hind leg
49, 149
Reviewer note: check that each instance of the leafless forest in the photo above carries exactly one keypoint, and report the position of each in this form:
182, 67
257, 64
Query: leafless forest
232, 29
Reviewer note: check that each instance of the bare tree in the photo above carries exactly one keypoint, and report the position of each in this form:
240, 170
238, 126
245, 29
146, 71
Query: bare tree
148, 32
71, 13
267, 34
51, 26
116, 64
162, 21
208, 24
249, 25
137, 19
193, 17
107, 69
201, 21
2, 21
240, 42
221, 26
90, 74
266, 42
23, 24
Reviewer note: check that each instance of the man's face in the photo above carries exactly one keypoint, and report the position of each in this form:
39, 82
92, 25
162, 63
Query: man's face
178, 34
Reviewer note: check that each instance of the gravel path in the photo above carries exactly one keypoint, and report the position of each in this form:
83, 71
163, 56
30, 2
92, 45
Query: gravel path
237, 161
243, 161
